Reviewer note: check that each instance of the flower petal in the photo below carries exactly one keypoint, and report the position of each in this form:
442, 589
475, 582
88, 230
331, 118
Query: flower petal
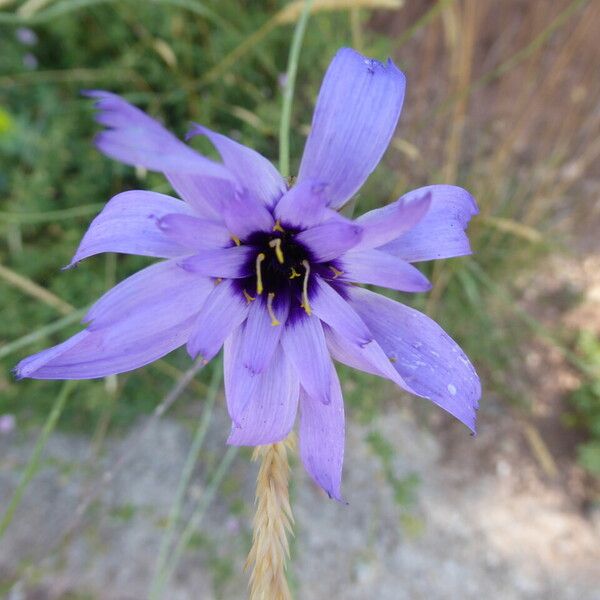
153, 292
132, 325
430, 362
303, 206
385, 224
261, 335
330, 239
205, 195
251, 170
355, 117
369, 358
128, 224
193, 232
304, 344
332, 308
244, 214
233, 262
379, 268
136, 139
441, 232
322, 432
263, 406
224, 309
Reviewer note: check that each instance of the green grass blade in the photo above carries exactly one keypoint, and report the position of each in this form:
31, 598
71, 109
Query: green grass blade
34, 461
68, 6
42, 332
196, 517
184, 480
51, 216
288, 92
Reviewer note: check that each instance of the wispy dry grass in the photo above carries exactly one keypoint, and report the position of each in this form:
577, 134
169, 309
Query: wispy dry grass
273, 520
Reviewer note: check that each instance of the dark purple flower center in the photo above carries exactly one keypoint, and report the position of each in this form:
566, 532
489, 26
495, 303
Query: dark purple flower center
282, 269
280, 265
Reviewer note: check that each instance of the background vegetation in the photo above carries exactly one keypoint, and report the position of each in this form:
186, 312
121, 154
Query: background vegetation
502, 100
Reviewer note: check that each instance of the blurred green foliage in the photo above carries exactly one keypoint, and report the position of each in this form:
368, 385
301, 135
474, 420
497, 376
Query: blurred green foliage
584, 405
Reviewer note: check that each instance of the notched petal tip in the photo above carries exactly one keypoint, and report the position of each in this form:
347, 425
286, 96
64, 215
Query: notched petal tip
195, 129
94, 93
17, 373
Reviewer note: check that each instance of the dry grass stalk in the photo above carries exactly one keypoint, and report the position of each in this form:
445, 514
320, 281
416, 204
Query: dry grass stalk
272, 521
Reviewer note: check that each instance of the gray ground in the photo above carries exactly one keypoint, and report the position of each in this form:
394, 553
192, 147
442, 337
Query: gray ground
484, 522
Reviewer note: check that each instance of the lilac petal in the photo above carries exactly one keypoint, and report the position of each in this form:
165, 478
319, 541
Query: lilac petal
262, 407
150, 293
261, 335
385, 224
232, 263
103, 352
330, 239
194, 233
370, 358
355, 117
205, 195
334, 310
245, 214
224, 309
127, 224
132, 325
303, 206
136, 139
430, 362
322, 432
441, 232
378, 268
303, 342
251, 170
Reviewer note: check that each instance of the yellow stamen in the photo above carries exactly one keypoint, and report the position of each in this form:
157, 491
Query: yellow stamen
276, 245
305, 305
218, 280
259, 283
248, 297
270, 299
336, 272
393, 359
278, 227
294, 274
236, 240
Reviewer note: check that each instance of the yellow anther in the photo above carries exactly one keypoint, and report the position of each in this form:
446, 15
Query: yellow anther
236, 240
336, 272
270, 299
294, 274
393, 359
218, 280
248, 297
305, 304
278, 227
259, 283
276, 245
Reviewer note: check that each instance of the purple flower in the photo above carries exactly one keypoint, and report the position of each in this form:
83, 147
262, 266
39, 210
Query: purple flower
26, 36
7, 423
269, 272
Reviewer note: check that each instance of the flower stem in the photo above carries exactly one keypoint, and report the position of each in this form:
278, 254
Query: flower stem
186, 475
288, 90
272, 521
34, 462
